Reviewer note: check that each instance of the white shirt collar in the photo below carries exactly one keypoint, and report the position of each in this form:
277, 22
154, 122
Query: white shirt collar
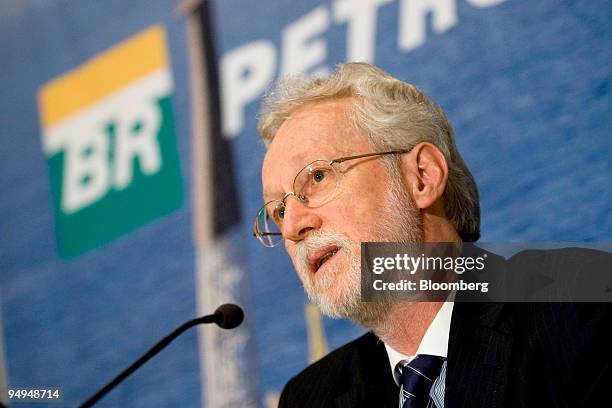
435, 340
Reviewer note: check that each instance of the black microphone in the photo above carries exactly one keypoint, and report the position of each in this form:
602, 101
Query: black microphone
227, 316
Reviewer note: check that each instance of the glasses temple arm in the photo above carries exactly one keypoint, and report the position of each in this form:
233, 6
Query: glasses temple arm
343, 159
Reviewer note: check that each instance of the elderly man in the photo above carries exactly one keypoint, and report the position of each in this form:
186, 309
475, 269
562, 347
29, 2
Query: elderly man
361, 156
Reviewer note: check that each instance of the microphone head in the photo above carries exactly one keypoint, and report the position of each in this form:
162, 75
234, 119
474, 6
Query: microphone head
229, 316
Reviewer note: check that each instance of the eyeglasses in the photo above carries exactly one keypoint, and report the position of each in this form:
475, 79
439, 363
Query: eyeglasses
313, 186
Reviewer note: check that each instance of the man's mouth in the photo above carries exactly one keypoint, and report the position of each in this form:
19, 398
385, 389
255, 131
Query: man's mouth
322, 256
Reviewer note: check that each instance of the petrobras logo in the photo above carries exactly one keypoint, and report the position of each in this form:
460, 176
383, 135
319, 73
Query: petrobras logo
108, 134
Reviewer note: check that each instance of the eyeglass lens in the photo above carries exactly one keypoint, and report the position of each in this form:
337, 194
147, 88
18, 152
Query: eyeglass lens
314, 185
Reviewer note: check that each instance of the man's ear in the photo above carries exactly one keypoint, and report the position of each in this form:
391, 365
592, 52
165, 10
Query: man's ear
425, 172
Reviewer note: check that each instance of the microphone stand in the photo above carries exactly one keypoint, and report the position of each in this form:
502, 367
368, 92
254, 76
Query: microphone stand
152, 351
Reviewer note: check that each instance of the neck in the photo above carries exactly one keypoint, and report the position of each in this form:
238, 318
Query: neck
406, 325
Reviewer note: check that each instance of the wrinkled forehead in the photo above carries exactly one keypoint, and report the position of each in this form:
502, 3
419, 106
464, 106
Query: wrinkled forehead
319, 131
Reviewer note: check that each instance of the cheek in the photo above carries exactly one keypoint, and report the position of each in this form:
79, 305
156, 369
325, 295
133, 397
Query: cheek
363, 197
356, 218
290, 249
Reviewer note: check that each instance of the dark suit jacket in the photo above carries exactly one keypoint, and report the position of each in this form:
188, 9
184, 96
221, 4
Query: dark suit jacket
500, 355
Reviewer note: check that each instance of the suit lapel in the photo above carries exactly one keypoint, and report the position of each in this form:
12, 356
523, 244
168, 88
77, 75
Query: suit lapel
478, 356
370, 383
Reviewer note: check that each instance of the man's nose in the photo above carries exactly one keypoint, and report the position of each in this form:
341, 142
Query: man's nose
299, 219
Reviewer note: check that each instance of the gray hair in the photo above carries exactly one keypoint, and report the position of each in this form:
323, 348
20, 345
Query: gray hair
392, 115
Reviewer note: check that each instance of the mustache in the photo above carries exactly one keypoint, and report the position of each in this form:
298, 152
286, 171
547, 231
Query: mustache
315, 241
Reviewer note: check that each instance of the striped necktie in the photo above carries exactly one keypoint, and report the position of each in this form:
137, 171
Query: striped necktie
416, 379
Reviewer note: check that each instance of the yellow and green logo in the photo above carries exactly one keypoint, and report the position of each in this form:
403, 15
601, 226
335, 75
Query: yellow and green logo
108, 134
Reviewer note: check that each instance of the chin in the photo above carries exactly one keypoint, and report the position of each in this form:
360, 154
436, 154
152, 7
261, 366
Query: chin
347, 304
333, 307
335, 299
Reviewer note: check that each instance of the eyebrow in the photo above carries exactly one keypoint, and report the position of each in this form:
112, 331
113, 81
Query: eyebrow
273, 193
266, 197
305, 160
278, 193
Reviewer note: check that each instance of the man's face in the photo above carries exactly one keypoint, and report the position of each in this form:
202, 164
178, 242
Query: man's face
368, 206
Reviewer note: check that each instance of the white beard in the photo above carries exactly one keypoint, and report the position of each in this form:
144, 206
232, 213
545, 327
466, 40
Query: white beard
337, 291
